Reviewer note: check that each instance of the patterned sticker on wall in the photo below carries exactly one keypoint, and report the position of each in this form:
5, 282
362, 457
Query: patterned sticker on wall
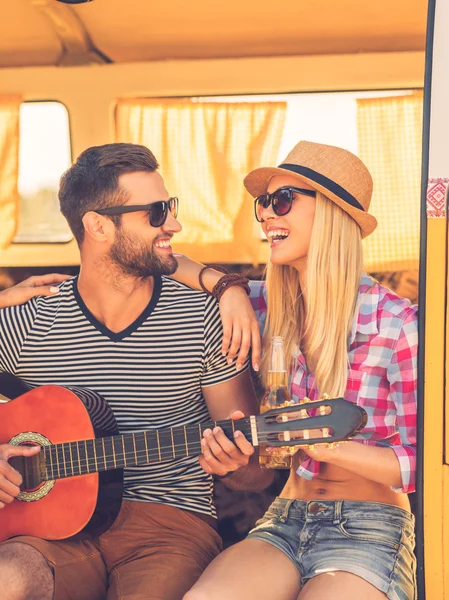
436, 197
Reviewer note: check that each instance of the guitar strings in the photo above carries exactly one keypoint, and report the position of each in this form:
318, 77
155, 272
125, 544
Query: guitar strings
166, 453
162, 453
264, 437
60, 450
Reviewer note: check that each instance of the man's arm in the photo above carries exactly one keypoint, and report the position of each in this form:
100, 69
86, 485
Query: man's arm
237, 460
240, 325
10, 479
17, 313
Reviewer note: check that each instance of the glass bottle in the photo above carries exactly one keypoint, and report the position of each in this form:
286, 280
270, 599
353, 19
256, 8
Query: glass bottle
276, 395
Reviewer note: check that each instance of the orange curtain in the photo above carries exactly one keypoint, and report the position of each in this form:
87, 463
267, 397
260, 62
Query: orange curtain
9, 168
205, 149
390, 144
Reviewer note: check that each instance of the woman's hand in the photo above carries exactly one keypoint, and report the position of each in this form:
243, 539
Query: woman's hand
39, 285
240, 327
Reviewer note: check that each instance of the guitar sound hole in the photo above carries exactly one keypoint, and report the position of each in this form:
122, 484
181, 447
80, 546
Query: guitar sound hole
29, 468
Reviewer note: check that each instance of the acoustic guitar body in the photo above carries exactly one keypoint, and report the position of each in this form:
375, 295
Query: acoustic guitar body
63, 507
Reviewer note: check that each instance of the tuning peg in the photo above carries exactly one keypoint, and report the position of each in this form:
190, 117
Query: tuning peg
331, 445
324, 397
305, 400
287, 403
291, 450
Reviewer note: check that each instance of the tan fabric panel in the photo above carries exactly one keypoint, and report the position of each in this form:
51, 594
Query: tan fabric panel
390, 144
205, 149
9, 168
204, 29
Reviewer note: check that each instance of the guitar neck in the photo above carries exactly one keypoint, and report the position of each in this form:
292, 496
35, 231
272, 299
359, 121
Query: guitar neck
69, 459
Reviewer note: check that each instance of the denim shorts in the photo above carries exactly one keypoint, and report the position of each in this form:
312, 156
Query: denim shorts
372, 540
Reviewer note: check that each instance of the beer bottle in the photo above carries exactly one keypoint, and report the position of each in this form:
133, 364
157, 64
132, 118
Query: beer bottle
276, 395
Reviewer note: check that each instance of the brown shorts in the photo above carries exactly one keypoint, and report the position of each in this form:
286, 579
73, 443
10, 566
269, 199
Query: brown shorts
151, 552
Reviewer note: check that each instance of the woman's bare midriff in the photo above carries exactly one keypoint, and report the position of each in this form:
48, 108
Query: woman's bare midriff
335, 483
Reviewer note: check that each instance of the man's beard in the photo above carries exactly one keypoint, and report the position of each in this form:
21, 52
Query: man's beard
137, 259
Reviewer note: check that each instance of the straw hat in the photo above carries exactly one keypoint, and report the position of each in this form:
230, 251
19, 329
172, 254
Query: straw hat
338, 174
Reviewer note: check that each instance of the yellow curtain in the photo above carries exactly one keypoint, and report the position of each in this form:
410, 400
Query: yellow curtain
9, 168
205, 149
390, 144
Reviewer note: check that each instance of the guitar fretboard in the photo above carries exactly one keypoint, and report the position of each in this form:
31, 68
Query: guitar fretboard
131, 449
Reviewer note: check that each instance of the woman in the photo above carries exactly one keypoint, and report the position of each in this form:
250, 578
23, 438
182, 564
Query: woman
342, 526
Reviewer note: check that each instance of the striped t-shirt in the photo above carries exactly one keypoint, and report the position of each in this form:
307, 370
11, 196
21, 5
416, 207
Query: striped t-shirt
151, 374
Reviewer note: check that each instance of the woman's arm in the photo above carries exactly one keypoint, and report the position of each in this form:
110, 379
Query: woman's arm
40, 285
240, 326
188, 272
394, 465
373, 462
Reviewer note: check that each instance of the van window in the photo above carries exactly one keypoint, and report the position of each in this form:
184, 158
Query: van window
44, 154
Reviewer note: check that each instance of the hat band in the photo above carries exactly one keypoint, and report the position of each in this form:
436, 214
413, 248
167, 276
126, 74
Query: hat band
325, 182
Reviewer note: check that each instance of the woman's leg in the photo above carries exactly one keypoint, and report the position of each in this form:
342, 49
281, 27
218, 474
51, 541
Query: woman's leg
339, 585
250, 570
357, 550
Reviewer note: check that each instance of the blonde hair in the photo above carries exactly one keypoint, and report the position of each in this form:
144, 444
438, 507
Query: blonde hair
318, 318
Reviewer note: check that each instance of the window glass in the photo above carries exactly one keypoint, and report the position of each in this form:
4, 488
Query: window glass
384, 128
324, 117
44, 154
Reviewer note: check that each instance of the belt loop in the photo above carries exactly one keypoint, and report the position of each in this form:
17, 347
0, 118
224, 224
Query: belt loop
283, 518
338, 512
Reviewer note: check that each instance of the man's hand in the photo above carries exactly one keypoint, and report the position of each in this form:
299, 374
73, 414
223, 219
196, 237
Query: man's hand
10, 479
240, 327
40, 285
220, 455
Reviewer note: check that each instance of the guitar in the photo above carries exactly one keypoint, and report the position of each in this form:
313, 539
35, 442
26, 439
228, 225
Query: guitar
75, 482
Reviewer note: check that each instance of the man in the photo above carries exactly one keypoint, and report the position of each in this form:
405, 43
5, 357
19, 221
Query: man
152, 348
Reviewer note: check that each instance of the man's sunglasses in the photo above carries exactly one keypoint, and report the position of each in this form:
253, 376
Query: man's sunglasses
281, 201
157, 211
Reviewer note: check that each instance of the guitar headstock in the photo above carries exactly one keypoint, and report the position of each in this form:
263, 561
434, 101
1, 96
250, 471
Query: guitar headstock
327, 420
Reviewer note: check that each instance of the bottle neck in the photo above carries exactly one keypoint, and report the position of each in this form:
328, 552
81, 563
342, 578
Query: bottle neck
277, 371
277, 379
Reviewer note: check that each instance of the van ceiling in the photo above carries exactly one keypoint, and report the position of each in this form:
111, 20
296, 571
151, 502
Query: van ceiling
46, 32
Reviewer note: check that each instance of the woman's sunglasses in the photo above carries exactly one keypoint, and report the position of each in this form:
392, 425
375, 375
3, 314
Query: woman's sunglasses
157, 211
281, 201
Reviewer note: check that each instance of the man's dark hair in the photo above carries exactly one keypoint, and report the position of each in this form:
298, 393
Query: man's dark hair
92, 181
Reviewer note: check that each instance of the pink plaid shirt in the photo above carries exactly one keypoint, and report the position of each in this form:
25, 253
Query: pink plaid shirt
382, 375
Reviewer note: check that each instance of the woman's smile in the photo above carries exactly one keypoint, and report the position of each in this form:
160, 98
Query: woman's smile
277, 235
